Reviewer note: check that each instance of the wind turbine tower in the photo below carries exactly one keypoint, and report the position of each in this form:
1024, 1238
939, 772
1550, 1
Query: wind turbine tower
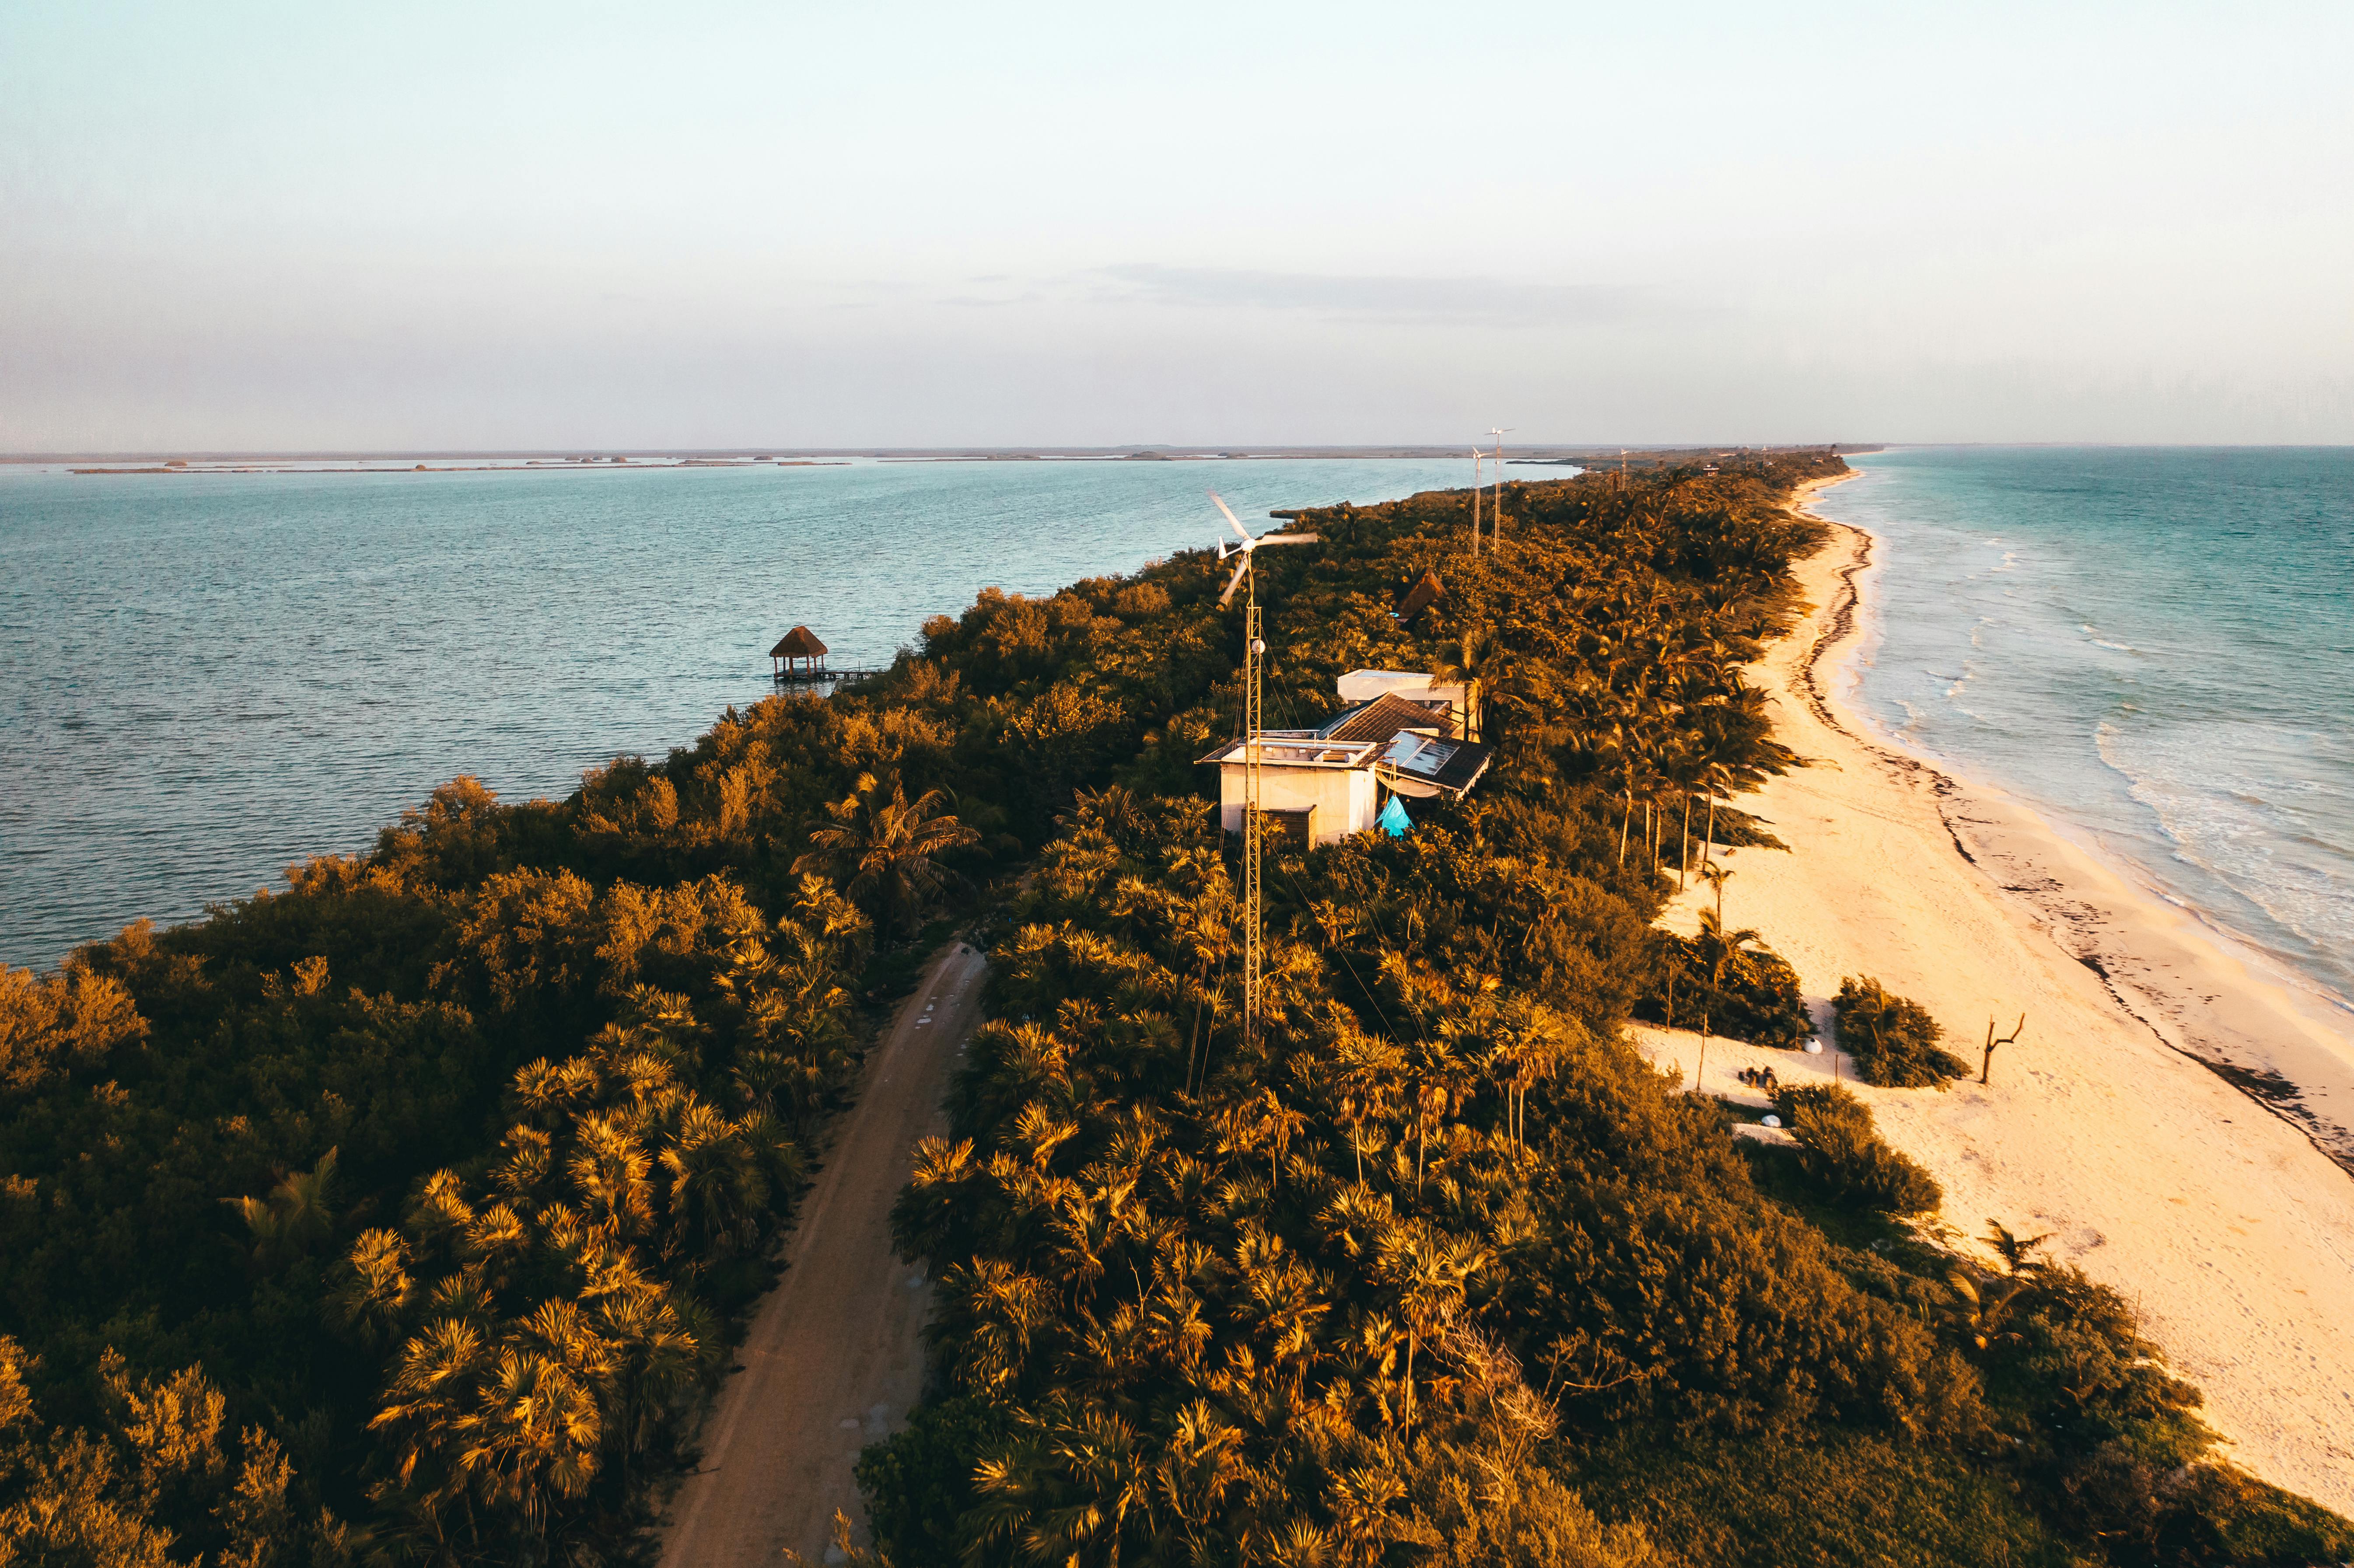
1254, 726
1477, 478
1496, 512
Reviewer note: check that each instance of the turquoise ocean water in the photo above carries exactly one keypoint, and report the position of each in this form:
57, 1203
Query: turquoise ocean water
208, 677
2153, 647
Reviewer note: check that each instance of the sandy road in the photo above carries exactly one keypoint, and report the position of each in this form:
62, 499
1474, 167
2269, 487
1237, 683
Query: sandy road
835, 1355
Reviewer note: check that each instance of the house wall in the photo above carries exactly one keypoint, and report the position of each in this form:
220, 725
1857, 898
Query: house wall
1346, 799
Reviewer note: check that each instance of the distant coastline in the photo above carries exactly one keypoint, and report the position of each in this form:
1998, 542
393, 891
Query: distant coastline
175, 459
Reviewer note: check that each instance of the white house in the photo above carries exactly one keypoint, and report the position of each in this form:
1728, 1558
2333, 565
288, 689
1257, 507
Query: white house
1318, 785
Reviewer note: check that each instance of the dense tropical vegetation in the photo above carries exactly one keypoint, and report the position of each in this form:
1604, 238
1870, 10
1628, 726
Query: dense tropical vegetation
407, 1214
1436, 1268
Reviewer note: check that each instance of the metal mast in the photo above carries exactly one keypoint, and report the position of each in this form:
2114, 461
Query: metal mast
1496, 511
1477, 479
1254, 731
1253, 725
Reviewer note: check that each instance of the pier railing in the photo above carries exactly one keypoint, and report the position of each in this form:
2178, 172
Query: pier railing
823, 677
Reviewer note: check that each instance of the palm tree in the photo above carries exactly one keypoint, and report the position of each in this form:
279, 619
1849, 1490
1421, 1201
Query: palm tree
533, 1436
1472, 663
654, 1359
2018, 1252
1983, 1307
1716, 777
1271, 1124
1440, 1081
718, 1191
1070, 1494
1718, 949
295, 1217
1717, 875
785, 1001
1205, 930
1372, 1072
432, 1388
888, 849
1428, 1269
1529, 1042
1201, 1462
611, 1174
1683, 842
1673, 960
375, 1289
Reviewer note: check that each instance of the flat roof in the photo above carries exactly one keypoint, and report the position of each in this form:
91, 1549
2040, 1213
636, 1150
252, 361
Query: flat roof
1298, 748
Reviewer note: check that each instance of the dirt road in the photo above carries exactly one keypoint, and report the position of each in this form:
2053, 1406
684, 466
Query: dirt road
835, 1355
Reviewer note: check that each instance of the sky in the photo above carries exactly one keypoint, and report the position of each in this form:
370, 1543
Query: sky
463, 228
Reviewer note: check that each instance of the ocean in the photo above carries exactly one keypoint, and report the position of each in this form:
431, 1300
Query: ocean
210, 677
2153, 648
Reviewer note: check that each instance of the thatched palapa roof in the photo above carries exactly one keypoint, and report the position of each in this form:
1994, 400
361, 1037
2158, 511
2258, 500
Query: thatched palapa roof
1423, 595
801, 642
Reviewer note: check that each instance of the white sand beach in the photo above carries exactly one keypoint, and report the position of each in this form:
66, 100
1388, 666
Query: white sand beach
2175, 1117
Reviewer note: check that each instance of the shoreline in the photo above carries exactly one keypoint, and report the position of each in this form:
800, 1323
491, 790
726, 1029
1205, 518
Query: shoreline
2120, 1121
2276, 1037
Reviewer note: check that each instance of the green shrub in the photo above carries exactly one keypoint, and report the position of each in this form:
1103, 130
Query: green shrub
1836, 1496
1758, 1001
918, 1482
1838, 1150
1893, 1038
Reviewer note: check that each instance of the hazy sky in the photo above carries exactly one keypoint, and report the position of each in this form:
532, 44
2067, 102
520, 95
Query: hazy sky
226, 226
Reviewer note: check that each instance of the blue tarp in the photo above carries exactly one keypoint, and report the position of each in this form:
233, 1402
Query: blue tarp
1394, 820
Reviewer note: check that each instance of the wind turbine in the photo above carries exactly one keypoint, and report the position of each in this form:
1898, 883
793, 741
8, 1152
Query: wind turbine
1496, 513
1254, 714
1245, 549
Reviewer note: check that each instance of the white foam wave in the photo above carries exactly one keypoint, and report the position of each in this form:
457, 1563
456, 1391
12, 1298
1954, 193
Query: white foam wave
2286, 850
2093, 634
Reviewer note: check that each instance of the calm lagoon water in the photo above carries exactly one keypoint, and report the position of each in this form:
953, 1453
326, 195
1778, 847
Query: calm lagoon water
207, 678
2153, 647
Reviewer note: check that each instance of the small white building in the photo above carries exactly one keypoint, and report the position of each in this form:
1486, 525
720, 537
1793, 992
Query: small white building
1315, 790
1318, 785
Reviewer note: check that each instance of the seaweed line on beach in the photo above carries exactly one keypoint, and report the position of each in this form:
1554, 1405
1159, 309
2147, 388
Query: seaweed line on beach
2275, 1093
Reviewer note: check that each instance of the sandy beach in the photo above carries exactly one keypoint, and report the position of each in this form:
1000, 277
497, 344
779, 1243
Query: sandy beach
2180, 1120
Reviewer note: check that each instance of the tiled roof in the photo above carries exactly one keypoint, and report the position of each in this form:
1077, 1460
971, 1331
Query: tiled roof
1383, 718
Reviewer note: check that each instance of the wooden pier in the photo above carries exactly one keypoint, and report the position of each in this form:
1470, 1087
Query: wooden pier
799, 659
807, 677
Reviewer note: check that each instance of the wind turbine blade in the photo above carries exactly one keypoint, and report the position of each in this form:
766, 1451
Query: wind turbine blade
1230, 513
1235, 582
1284, 539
